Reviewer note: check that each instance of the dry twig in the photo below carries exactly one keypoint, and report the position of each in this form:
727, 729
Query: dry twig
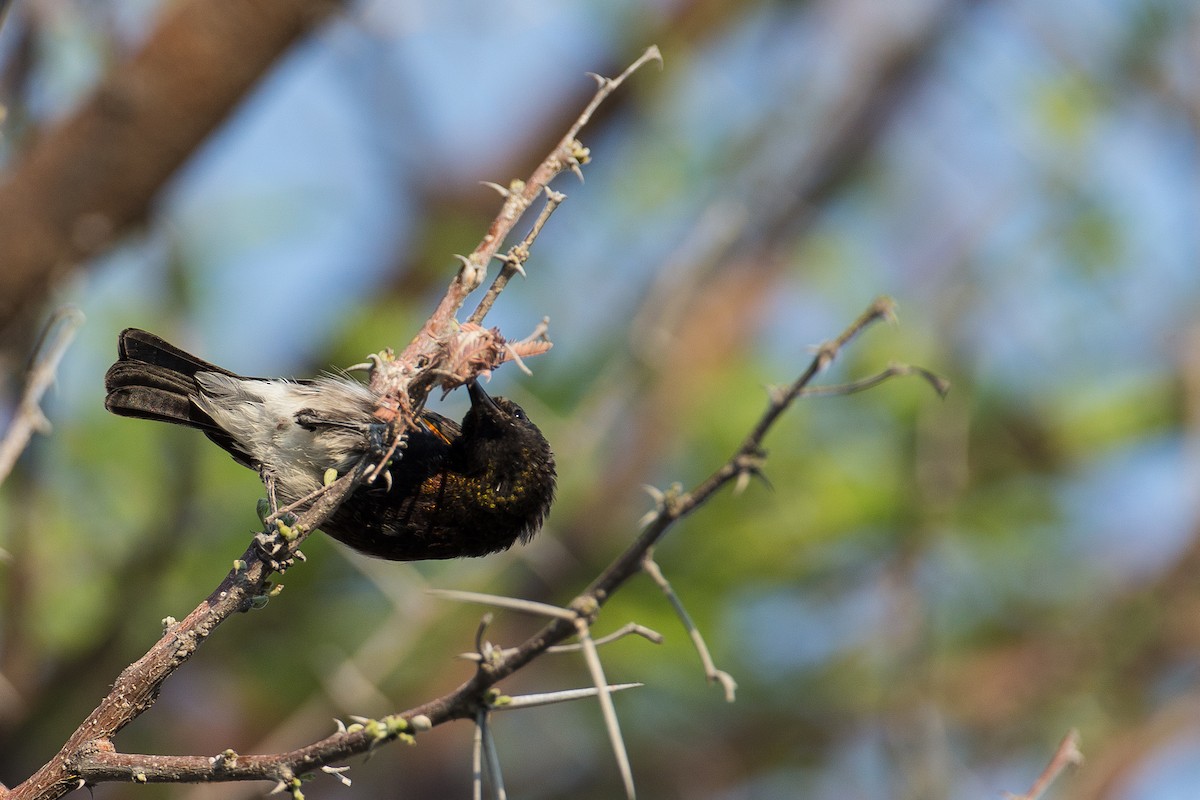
404, 380
714, 675
1067, 754
29, 419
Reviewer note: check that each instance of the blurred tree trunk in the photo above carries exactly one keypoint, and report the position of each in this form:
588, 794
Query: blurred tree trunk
87, 180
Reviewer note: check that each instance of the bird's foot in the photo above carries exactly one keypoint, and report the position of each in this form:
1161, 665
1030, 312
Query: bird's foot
276, 544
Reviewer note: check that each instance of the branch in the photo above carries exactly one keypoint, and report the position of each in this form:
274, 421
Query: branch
404, 381
514, 260
56, 338
1066, 755
137, 687
714, 675
672, 506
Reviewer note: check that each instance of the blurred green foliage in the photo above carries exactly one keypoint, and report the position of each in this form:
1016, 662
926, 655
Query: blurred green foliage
923, 595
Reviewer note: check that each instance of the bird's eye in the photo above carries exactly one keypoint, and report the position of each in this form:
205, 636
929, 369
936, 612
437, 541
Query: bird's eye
519, 414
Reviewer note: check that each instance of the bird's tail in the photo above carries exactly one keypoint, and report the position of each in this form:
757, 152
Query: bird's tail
153, 379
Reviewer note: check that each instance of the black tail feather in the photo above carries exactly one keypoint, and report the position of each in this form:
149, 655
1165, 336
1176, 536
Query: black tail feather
153, 379
143, 346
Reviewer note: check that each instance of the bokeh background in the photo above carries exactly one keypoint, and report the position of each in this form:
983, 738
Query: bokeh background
929, 594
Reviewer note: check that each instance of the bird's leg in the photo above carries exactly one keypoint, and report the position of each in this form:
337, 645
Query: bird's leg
268, 479
385, 445
270, 540
310, 420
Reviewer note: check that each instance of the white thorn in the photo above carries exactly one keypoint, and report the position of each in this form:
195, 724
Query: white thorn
655, 493
502, 190
337, 773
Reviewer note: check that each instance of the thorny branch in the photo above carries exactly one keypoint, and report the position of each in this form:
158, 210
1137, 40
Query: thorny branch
444, 352
96, 761
138, 685
404, 380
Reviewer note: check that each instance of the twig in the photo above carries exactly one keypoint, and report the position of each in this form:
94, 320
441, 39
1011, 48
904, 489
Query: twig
514, 260
895, 370
628, 629
28, 419
137, 687
611, 724
882, 309
492, 757
516, 604
477, 758
564, 696
1066, 755
404, 381
714, 675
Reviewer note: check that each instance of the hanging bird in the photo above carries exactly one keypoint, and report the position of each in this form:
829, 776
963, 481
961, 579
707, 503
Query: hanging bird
455, 490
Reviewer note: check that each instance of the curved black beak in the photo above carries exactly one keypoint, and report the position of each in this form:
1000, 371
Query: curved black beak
481, 398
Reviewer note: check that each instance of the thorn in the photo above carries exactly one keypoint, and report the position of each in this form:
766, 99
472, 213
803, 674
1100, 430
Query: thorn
374, 361
600, 80
505, 193
484, 622
512, 354
513, 262
516, 604
564, 696
749, 465
337, 773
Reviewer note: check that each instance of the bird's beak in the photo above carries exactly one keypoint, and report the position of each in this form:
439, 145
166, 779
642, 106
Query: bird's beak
481, 398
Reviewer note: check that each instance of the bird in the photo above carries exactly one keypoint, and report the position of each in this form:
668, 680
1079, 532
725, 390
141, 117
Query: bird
454, 491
